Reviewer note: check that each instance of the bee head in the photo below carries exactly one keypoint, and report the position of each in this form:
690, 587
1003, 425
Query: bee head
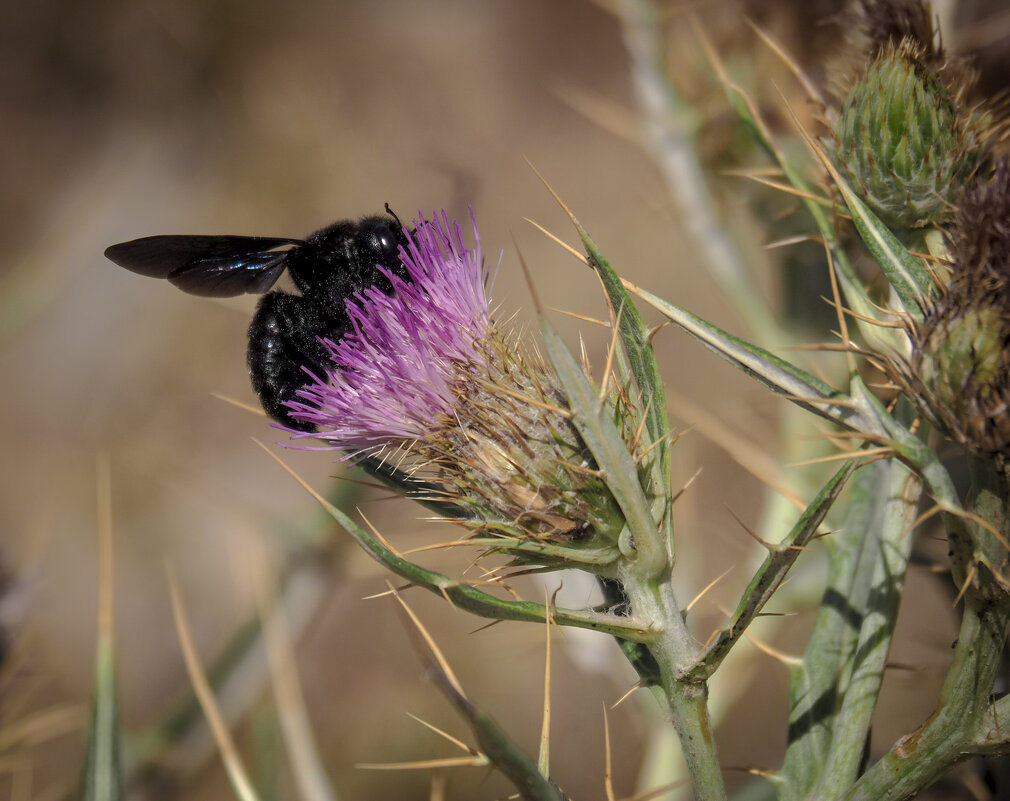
337, 261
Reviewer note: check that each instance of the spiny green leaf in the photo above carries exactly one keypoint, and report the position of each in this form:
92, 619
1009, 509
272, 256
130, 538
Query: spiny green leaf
641, 361
470, 598
592, 419
904, 272
782, 377
773, 570
635, 339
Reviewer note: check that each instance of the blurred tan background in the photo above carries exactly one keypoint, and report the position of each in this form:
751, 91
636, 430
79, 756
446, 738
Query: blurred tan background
123, 119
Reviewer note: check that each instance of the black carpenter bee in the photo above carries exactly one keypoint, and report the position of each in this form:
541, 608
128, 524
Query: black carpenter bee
285, 334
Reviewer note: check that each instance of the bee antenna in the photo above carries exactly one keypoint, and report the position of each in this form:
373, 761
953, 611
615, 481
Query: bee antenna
392, 214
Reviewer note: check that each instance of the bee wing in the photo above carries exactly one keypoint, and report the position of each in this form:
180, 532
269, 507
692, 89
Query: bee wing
212, 266
225, 278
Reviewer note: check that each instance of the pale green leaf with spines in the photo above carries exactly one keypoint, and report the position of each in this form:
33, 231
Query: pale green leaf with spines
634, 335
782, 377
635, 340
637, 358
592, 419
481, 603
872, 541
468, 597
905, 273
855, 295
772, 572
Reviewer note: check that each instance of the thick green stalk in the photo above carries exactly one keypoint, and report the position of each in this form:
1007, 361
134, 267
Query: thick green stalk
686, 699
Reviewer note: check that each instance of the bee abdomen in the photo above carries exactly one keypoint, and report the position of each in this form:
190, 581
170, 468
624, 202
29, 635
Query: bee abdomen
284, 342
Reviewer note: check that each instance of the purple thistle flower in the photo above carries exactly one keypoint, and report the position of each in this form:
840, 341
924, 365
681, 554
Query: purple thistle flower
394, 371
425, 374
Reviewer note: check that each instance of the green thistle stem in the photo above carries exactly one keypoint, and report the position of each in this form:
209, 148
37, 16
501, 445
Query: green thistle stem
685, 699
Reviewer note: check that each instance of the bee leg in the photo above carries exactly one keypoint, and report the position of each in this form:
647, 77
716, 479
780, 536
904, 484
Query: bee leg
283, 339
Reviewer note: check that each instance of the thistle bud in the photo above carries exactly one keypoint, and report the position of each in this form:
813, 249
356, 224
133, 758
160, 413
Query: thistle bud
902, 143
962, 359
959, 370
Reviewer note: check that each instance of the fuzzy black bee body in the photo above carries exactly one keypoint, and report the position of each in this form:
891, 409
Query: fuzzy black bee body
327, 267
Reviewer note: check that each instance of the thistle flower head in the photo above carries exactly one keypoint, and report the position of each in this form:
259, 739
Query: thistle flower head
428, 377
902, 140
960, 364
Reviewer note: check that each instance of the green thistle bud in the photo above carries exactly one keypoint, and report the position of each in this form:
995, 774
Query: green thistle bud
959, 371
962, 360
902, 143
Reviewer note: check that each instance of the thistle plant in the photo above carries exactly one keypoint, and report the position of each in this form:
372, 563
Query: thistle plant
434, 392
